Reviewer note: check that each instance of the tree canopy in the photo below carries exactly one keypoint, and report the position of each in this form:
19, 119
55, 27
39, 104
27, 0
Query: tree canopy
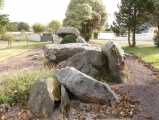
54, 25
86, 15
154, 13
38, 27
132, 16
3, 19
1, 4
23, 26
17, 26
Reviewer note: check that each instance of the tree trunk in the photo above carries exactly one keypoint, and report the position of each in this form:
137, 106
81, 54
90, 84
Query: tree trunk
129, 38
158, 25
133, 39
134, 29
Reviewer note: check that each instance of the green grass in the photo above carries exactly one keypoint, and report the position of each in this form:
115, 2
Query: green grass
9, 52
15, 87
148, 53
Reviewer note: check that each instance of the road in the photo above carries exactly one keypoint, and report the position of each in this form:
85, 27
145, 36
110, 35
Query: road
15, 43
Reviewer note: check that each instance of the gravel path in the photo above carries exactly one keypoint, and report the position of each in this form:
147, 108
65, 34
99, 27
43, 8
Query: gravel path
143, 84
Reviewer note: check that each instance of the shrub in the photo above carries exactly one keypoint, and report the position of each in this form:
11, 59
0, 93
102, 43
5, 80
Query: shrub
68, 39
16, 86
156, 39
108, 29
47, 34
7, 37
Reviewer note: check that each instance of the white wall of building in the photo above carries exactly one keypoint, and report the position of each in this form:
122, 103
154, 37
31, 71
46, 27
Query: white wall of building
34, 37
111, 36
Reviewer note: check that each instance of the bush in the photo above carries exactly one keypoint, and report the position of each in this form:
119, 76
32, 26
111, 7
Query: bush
47, 34
7, 37
156, 39
68, 39
108, 29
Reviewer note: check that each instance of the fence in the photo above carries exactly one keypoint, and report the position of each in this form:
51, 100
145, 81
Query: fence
111, 36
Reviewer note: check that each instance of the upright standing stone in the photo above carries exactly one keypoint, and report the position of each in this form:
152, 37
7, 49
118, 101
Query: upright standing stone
117, 67
41, 100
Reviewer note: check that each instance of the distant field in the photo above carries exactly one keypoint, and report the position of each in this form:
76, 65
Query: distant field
9, 52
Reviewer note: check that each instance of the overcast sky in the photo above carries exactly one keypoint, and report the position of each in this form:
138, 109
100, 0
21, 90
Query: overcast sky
43, 11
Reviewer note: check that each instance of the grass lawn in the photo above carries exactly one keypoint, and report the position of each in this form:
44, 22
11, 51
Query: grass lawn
147, 52
9, 52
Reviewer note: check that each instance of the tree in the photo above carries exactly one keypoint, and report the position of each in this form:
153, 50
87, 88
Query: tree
154, 13
1, 4
23, 26
12, 26
38, 27
123, 19
3, 22
132, 16
86, 15
3, 19
54, 25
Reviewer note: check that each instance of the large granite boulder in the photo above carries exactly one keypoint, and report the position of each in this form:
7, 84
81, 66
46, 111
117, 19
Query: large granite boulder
61, 52
41, 100
63, 31
117, 67
84, 87
89, 62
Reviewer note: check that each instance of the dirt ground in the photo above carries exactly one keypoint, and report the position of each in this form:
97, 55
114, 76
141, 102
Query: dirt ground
143, 86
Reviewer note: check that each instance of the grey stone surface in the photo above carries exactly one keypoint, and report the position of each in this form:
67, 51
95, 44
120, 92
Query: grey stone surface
86, 88
35, 57
4, 108
80, 39
63, 31
35, 64
61, 52
117, 67
128, 55
57, 39
41, 100
65, 102
89, 62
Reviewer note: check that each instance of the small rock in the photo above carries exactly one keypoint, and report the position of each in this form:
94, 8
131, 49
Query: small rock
35, 57
4, 108
65, 102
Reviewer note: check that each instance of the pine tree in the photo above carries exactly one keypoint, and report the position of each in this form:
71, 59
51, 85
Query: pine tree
132, 16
